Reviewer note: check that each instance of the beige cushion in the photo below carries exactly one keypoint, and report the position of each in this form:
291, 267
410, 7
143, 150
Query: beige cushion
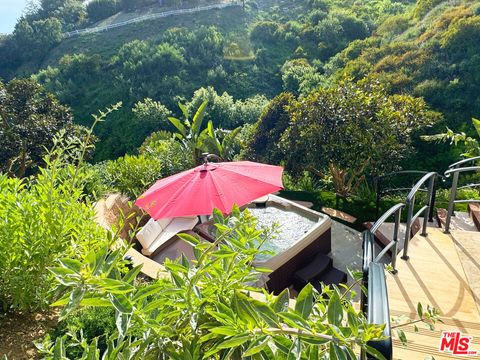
164, 222
147, 235
261, 200
175, 226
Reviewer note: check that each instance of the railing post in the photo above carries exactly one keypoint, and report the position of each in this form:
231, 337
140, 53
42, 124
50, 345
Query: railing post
395, 240
451, 203
434, 196
429, 204
408, 226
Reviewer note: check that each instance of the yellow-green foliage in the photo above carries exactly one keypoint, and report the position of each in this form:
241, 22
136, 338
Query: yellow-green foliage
42, 219
463, 34
424, 6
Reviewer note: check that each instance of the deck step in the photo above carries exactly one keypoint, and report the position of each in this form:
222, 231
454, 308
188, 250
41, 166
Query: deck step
461, 220
331, 277
474, 212
319, 265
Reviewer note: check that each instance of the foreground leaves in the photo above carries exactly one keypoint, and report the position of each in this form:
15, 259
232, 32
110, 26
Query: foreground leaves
206, 309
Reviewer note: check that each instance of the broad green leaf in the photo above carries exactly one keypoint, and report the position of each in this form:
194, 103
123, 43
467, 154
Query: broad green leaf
93, 352
244, 309
192, 240
61, 272
295, 351
420, 310
280, 304
336, 352
59, 349
283, 344
224, 330
256, 347
95, 301
476, 125
229, 343
71, 264
335, 310
374, 352
265, 312
304, 303
121, 303
122, 321
401, 336
179, 126
293, 319
184, 110
132, 274
76, 296
198, 118
147, 291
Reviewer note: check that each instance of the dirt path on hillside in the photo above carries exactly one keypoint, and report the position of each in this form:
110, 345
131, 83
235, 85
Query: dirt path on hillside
18, 332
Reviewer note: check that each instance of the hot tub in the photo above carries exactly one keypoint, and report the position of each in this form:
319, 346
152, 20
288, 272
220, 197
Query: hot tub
302, 234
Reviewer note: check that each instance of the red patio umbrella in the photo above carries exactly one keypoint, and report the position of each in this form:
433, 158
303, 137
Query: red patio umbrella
212, 185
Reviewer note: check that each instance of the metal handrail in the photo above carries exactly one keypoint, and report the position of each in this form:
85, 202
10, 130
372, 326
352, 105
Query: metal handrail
453, 191
380, 192
378, 308
385, 216
464, 161
410, 201
393, 245
374, 301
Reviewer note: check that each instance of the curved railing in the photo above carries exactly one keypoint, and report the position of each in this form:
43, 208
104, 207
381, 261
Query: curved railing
464, 161
426, 209
380, 181
455, 170
395, 210
374, 303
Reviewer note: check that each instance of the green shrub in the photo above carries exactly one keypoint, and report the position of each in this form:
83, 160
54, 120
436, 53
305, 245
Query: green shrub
42, 218
45, 217
206, 308
133, 174
102, 9
91, 322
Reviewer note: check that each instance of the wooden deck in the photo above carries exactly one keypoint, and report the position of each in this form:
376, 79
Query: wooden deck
435, 276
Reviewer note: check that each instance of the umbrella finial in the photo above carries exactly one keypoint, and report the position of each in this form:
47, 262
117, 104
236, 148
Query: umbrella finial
205, 158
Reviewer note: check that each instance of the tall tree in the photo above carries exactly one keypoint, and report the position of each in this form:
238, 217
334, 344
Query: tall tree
29, 119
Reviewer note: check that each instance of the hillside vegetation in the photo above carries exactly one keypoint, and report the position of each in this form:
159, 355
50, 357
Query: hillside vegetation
239, 60
335, 91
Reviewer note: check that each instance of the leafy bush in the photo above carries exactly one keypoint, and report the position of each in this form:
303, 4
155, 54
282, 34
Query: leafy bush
91, 322
29, 119
101, 9
224, 111
355, 126
264, 138
169, 152
206, 309
133, 174
43, 218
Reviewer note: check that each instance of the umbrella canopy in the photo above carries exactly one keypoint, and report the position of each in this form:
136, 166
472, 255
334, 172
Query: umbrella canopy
212, 185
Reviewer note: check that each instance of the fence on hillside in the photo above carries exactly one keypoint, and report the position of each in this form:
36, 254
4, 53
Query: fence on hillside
150, 17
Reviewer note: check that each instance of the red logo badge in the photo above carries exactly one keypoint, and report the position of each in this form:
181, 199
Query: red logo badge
456, 343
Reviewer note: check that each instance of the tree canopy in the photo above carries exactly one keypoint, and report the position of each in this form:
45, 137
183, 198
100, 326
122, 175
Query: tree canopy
30, 117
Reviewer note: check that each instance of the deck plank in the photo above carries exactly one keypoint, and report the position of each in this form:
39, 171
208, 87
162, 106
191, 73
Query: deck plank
434, 276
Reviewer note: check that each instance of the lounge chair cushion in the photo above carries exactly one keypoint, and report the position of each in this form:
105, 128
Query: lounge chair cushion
261, 200
174, 227
164, 222
147, 235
